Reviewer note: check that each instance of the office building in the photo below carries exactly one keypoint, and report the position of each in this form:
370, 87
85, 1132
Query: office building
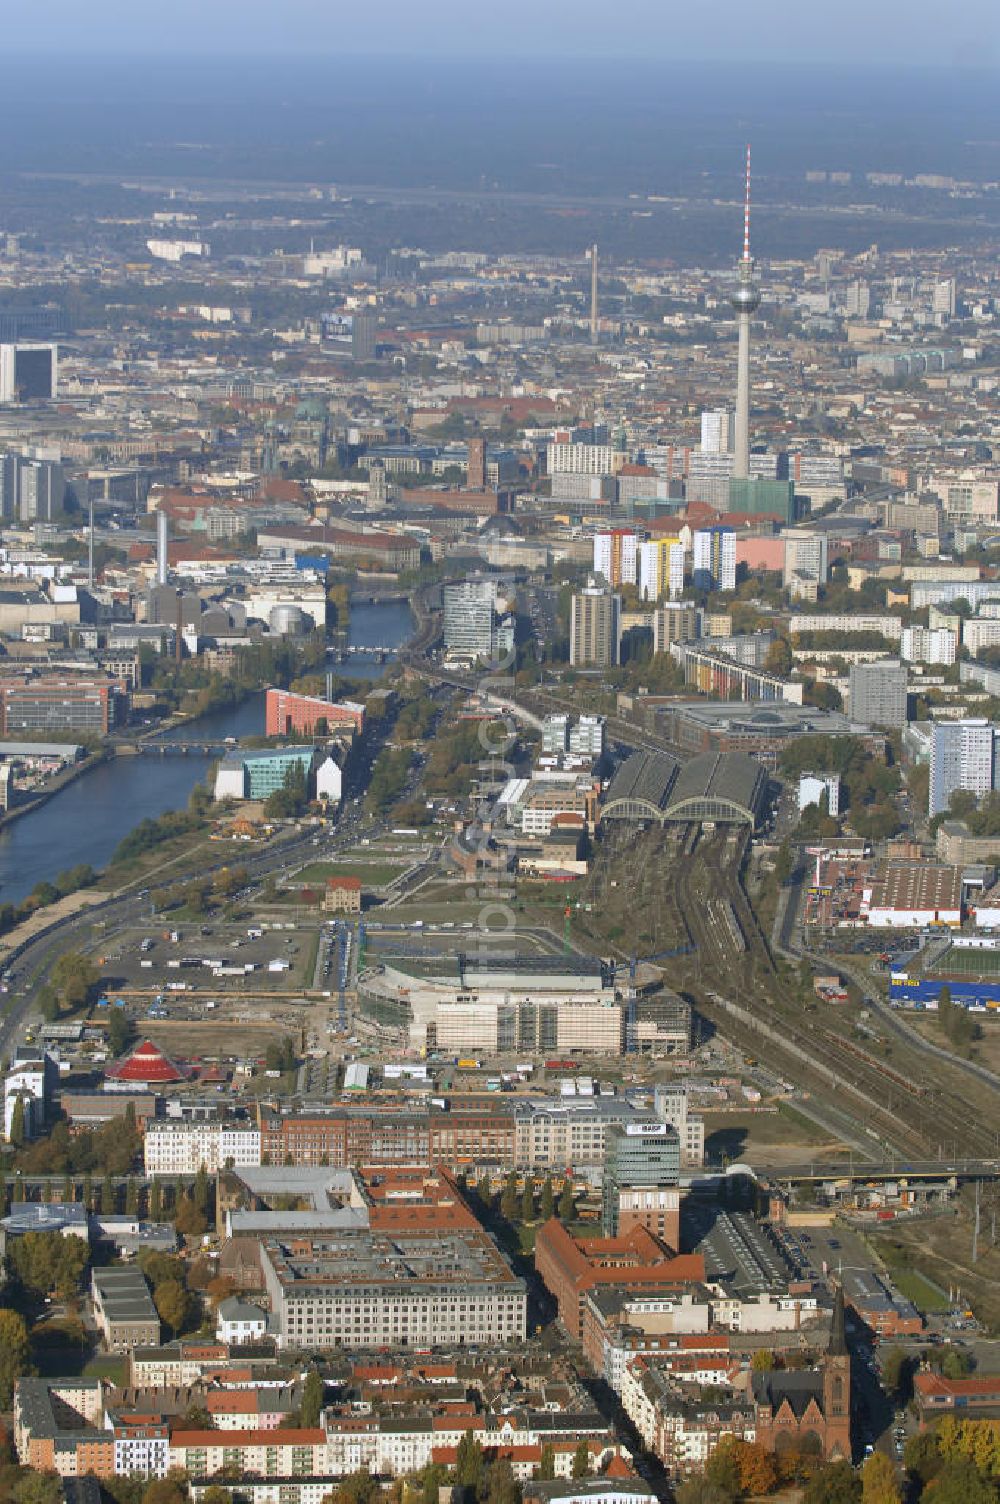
962, 757
424, 1273
671, 1104
123, 1309
182, 1146
555, 735
661, 568
877, 693
586, 738
364, 326
28, 373
256, 774
472, 625
595, 628
718, 431
642, 1163
714, 550
51, 705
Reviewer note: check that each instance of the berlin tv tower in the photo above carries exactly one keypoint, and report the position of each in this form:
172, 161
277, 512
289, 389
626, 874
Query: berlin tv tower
745, 299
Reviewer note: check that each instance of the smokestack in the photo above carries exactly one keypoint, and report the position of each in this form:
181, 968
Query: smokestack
162, 523
179, 632
593, 294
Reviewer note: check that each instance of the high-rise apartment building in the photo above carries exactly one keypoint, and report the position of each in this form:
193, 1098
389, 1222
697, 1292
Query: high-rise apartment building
595, 628
717, 431
641, 1182
661, 568
31, 489
922, 645
476, 465
962, 757
805, 557
616, 556
714, 551
877, 693
675, 621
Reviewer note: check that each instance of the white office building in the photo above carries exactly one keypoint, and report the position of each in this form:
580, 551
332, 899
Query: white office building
181, 1148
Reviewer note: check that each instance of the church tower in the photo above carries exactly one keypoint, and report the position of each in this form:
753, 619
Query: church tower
837, 1385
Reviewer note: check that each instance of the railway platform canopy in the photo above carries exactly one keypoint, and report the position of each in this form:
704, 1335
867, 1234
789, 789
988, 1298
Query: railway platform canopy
640, 790
723, 788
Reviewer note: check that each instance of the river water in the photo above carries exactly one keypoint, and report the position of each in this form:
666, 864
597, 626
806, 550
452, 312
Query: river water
85, 821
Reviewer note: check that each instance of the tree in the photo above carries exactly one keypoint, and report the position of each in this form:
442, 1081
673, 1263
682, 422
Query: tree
17, 1130
469, 1464
548, 1200
701, 1491
581, 1460
763, 1360
878, 1481
312, 1399
508, 1198
836, 1483
15, 1354
528, 1201
216, 1495
783, 863
547, 1462
74, 977
169, 1490
722, 1468
188, 1220
173, 1304
202, 1191
922, 1456
758, 1470
38, 1488
503, 1486
155, 1202
960, 1482
119, 1032
897, 1373
955, 1365
567, 1205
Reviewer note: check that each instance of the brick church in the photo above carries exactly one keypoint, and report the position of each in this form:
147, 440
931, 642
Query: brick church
809, 1410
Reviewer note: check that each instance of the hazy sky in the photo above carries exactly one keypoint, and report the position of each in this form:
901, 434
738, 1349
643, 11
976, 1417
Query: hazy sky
880, 32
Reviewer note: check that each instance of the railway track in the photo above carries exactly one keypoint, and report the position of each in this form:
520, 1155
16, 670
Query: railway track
733, 978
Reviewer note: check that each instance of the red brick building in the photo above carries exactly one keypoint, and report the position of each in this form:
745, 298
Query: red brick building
286, 712
571, 1267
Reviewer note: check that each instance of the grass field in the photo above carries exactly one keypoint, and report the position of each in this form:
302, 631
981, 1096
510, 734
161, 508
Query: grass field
940, 1247
784, 1134
925, 1295
967, 963
372, 874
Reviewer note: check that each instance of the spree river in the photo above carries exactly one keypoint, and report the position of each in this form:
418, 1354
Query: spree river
85, 821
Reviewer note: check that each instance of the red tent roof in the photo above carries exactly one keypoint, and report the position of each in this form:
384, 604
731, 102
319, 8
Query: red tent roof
146, 1062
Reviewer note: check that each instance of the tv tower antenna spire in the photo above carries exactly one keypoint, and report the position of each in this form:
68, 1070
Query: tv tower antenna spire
746, 212
745, 300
